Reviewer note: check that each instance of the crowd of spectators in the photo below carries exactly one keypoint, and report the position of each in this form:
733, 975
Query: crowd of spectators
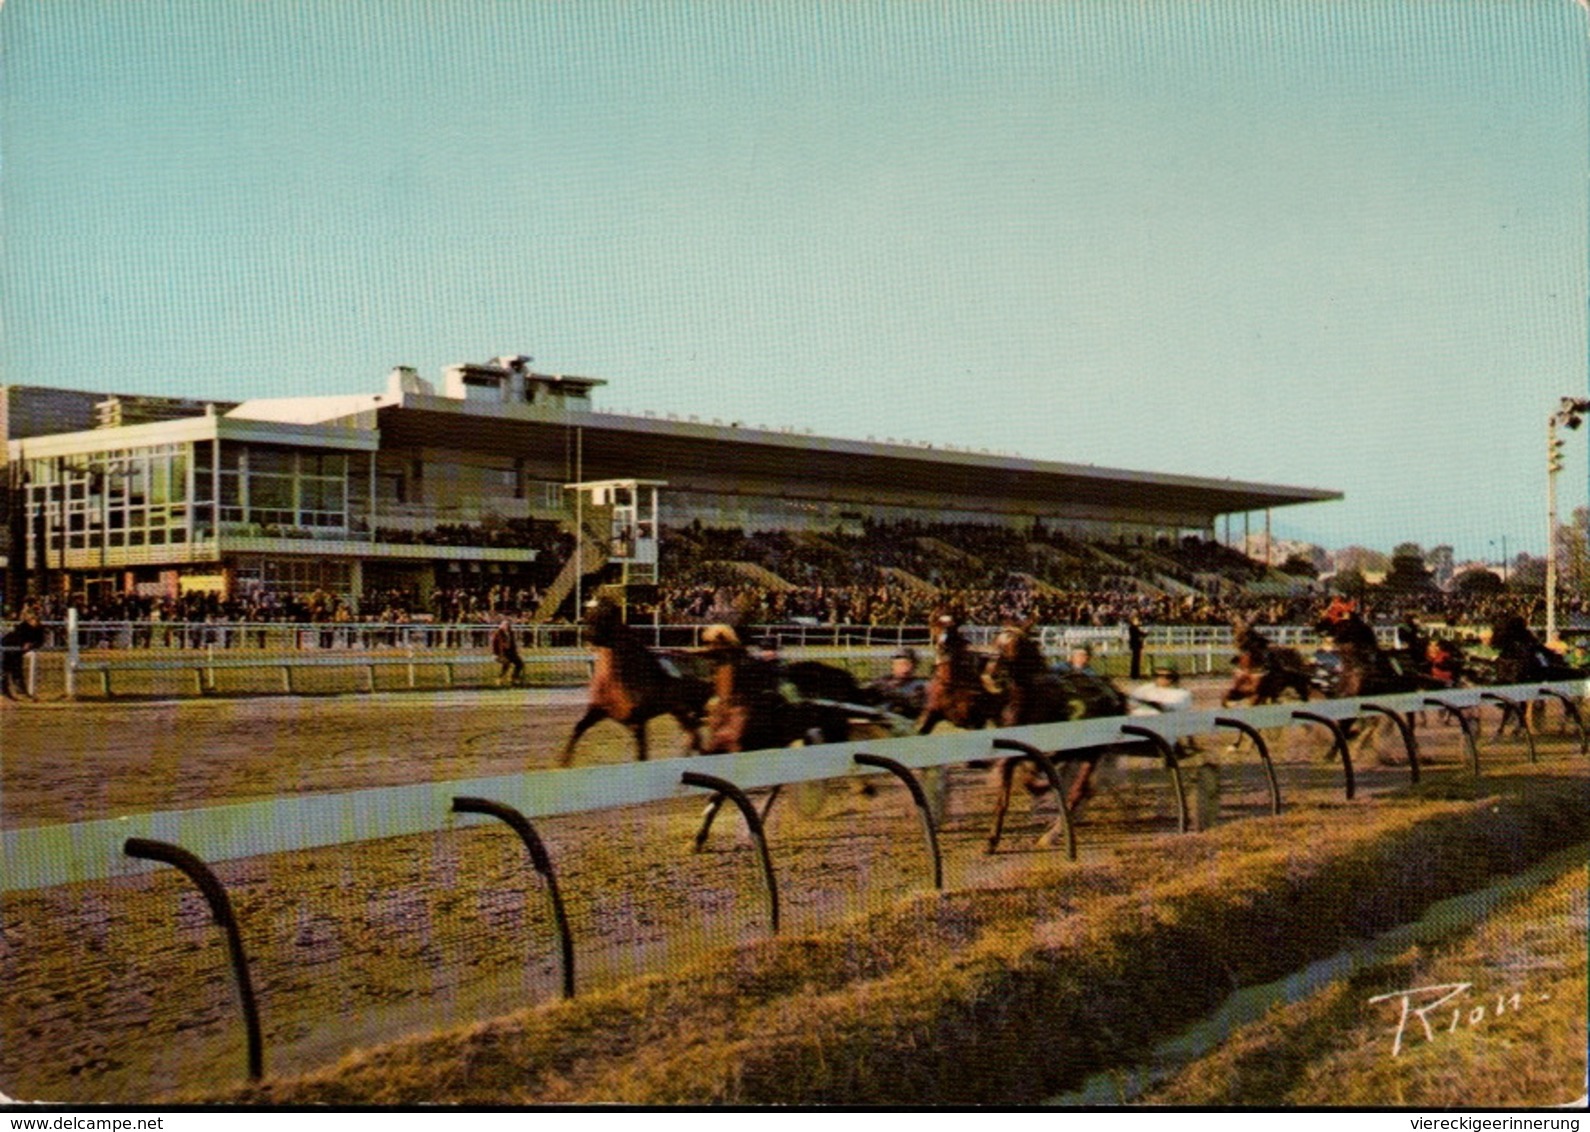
393, 606
520, 534
897, 573
862, 605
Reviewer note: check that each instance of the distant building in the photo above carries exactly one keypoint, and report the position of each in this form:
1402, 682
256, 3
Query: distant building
412, 488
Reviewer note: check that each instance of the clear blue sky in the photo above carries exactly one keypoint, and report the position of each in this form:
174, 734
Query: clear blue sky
1337, 244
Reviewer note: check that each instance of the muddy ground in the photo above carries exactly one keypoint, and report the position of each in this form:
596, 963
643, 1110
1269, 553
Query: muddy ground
120, 990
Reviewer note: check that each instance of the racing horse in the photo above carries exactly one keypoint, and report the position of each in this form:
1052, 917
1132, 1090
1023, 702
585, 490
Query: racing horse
1363, 667
1264, 671
1033, 693
956, 691
632, 686
1522, 657
748, 711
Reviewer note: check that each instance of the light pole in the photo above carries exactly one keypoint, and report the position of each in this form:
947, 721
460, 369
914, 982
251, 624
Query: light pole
1570, 412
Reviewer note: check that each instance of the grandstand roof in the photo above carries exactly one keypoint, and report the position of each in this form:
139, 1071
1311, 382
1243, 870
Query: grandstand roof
618, 446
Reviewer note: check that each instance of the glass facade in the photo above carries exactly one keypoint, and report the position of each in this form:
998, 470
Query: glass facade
258, 576
275, 491
120, 501
112, 500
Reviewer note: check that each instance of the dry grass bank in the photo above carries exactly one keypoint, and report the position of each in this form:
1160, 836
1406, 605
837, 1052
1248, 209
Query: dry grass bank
1516, 1037
991, 996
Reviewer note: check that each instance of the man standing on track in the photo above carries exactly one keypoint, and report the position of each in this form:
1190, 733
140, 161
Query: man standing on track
1134, 642
505, 647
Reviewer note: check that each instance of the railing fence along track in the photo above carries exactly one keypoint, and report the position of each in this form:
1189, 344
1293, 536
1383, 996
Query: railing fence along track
45, 856
291, 636
103, 649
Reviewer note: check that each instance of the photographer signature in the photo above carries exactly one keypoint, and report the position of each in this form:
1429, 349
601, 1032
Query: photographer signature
1430, 1005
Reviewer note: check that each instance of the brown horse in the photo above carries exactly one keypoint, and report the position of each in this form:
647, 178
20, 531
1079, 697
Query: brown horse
631, 686
1264, 671
956, 692
1365, 668
748, 710
1033, 693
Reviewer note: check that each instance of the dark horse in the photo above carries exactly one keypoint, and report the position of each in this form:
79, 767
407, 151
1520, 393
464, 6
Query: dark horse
1264, 671
631, 685
748, 710
957, 692
1034, 693
1363, 666
1522, 657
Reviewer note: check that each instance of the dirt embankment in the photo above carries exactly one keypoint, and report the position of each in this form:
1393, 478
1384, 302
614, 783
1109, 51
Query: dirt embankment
989, 996
1494, 1018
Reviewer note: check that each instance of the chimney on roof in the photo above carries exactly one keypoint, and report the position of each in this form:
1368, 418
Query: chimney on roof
406, 379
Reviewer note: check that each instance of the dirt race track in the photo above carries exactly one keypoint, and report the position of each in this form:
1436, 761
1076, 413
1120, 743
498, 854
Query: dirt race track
120, 990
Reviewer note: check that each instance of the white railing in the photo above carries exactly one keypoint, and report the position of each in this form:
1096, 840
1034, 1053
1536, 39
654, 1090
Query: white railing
42, 856
131, 645
427, 633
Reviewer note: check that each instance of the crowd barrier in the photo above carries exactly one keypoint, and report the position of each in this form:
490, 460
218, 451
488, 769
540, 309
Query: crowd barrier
284, 636
461, 652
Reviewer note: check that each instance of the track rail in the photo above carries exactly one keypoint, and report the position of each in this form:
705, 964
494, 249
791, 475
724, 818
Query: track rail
48, 855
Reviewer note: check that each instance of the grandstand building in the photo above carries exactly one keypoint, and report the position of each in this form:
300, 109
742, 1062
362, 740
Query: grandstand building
417, 487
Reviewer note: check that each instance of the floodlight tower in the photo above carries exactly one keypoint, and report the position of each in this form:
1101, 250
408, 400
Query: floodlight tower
1571, 413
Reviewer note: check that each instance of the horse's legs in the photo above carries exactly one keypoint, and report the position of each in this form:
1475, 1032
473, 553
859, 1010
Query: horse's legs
1082, 784
1006, 771
931, 718
593, 715
638, 730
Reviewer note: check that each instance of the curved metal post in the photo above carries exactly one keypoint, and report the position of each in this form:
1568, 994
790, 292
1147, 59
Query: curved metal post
1168, 752
542, 864
903, 773
1512, 706
1264, 755
726, 789
1571, 710
707, 818
1467, 729
1026, 753
221, 908
1338, 743
1409, 743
